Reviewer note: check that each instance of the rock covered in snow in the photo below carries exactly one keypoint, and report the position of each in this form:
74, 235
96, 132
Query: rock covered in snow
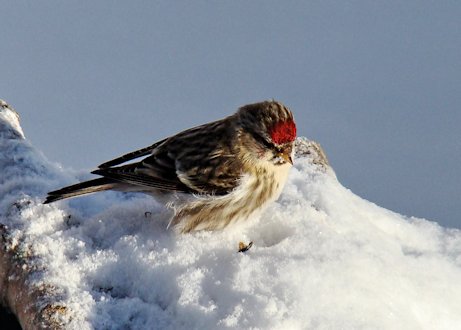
323, 258
9, 122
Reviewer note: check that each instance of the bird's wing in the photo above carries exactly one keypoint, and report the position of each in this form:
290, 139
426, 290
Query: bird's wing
158, 172
205, 158
129, 174
131, 155
198, 160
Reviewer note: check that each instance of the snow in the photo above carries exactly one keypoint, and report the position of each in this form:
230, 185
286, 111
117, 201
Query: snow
323, 258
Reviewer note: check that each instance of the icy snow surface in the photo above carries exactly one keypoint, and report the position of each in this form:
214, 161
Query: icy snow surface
323, 258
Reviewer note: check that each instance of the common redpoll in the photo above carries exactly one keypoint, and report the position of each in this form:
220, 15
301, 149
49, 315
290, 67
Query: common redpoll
224, 170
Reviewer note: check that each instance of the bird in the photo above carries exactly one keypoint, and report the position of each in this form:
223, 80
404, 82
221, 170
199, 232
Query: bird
224, 171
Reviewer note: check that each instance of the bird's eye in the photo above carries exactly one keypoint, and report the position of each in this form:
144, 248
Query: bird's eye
263, 141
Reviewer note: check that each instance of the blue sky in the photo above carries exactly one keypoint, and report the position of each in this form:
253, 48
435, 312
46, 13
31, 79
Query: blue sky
378, 84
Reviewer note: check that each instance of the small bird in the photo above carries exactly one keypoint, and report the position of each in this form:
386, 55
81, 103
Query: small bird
224, 170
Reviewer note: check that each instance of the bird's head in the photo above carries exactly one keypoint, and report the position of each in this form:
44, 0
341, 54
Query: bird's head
269, 131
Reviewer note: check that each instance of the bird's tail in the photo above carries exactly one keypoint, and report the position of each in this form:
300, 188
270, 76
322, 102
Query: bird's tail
82, 188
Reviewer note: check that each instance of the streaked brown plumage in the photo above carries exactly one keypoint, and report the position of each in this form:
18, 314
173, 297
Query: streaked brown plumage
224, 170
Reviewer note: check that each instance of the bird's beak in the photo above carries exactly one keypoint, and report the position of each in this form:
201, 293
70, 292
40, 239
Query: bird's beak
287, 157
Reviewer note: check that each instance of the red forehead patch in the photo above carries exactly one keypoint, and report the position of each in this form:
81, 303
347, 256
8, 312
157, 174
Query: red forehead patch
283, 132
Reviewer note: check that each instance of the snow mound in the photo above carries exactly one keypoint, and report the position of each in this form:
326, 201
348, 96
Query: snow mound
323, 258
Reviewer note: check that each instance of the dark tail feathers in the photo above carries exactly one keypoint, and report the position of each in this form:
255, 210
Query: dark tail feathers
82, 188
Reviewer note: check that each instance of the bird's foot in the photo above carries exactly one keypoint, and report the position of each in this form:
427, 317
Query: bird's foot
244, 247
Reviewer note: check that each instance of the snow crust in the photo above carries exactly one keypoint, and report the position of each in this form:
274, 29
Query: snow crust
323, 258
